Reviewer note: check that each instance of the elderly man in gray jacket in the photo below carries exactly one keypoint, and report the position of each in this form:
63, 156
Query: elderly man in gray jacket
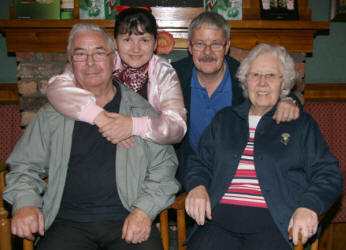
98, 196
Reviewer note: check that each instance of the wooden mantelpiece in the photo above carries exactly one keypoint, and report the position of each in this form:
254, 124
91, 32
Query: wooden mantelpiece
51, 35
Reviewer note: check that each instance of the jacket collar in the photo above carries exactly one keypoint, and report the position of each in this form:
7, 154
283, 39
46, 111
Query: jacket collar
132, 99
243, 109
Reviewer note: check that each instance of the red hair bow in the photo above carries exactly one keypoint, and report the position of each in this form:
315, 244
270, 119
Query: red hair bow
120, 8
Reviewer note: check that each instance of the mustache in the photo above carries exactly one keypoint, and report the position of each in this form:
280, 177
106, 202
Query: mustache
207, 58
91, 71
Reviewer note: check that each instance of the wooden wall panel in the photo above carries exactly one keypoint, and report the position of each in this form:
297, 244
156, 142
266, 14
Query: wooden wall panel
9, 93
325, 92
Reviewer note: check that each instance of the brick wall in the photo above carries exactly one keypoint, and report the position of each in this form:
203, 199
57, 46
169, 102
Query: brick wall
35, 69
33, 72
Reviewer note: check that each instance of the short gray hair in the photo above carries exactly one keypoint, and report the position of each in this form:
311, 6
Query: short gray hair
287, 69
213, 19
83, 27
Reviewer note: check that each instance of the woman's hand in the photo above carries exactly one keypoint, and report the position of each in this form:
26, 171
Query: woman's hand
304, 220
286, 111
197, 204
118, 128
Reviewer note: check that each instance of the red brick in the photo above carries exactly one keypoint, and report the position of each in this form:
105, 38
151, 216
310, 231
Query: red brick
43, 87
39, 70
27, 87
53, 56
32, 103
26, 70
25, 56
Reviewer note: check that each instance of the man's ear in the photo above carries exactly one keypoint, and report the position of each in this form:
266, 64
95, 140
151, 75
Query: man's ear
228, 45
115, 44
114, 59
189, 47
69, 59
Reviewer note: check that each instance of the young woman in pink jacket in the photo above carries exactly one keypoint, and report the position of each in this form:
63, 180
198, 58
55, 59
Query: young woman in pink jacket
139, 68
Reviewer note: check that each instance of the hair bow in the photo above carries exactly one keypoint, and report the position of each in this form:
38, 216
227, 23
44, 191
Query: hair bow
120, 8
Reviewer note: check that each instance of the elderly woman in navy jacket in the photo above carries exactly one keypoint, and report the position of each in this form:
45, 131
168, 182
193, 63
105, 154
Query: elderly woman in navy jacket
253, 180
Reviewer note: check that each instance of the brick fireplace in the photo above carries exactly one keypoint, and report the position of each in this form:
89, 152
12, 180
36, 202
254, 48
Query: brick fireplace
35, 69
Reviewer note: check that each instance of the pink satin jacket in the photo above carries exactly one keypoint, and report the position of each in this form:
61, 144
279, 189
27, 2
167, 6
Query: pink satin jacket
164, 94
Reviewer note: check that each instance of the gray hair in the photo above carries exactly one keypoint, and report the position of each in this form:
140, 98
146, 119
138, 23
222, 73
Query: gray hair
287, 69
212, 19
83, 27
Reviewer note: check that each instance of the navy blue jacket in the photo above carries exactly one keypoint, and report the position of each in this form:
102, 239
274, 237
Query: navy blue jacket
184, 70
302, 173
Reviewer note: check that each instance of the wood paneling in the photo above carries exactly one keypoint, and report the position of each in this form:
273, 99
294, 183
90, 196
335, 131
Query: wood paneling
333, 237
325, 92
51, 35
9, 93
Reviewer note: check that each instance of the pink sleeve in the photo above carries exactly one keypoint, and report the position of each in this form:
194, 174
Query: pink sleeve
139, 125
166, 97
71, 101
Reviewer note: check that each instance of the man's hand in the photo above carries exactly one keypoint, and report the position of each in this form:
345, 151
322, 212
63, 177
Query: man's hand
197, 204
286, 111
304, 220
127, 143
102, 119
137, 227
28, 221
118, 129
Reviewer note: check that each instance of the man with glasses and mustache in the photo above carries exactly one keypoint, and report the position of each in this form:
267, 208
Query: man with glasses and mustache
98, 195
208, 81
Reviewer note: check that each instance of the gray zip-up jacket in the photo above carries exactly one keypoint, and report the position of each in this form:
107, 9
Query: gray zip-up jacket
144, 173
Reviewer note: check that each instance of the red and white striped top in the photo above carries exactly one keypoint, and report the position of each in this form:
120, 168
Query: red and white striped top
244, 189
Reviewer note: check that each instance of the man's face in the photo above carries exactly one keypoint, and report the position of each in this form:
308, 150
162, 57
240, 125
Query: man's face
208, 60
92, 72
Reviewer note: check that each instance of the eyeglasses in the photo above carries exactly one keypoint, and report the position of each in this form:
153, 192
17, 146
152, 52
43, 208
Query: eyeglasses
268, 77
98, 56
200, 46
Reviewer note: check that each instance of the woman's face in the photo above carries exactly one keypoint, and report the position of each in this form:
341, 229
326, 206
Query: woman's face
135, 50
264, 83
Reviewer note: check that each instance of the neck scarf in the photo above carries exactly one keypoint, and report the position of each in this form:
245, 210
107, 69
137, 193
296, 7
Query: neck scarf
135, 78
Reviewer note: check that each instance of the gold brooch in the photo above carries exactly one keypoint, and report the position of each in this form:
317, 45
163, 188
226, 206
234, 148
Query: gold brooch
285, 138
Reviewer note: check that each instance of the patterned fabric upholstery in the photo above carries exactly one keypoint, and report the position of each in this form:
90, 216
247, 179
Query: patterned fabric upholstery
331, 118
10, 130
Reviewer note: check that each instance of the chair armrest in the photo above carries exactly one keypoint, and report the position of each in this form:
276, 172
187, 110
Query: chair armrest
179, 206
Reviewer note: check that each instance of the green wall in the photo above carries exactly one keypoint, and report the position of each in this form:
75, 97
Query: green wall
327, 64
8, 66
328, 61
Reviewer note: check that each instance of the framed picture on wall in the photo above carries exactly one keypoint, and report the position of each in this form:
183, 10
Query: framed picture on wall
279, 9
338, 11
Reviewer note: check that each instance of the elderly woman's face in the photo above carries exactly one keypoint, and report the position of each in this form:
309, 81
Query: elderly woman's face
264, 82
